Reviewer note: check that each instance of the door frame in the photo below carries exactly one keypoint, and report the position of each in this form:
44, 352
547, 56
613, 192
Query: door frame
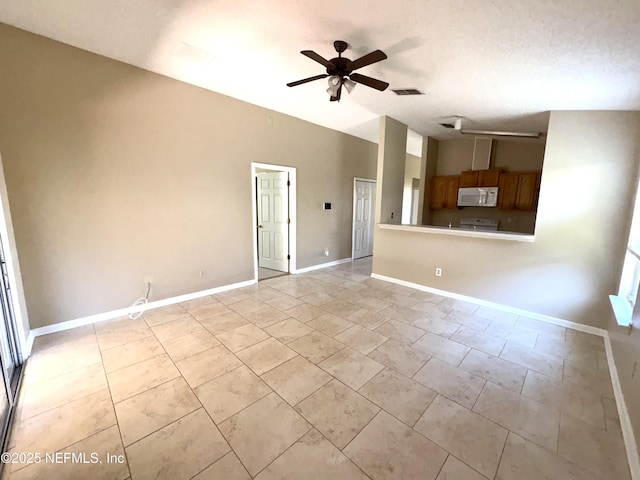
292, 213
25, 338
22, 335
353, 214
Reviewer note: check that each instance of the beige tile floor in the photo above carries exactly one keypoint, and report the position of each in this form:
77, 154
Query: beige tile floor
326, 375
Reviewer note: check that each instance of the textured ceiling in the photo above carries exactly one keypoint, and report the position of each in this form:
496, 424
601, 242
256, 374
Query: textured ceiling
499, 64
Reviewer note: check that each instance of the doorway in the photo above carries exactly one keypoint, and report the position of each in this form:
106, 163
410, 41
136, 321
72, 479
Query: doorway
364, 201
274, 200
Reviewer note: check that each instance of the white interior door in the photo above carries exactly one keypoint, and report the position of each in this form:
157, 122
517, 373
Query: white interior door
273, 220
364, 200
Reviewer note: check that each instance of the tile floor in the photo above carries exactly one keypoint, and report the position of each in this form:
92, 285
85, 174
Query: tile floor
326, 375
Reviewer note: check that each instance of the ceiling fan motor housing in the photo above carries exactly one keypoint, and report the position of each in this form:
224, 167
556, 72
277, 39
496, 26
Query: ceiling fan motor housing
339, 67
340, 46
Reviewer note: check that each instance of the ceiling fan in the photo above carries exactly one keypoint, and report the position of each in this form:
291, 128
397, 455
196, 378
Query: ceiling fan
339, 71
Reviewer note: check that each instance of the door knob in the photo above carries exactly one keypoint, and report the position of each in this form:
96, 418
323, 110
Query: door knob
259, 226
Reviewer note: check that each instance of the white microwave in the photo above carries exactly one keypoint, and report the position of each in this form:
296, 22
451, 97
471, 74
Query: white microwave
478, 197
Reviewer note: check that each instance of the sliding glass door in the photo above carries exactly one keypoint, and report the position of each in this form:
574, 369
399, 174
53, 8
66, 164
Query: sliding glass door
10, 355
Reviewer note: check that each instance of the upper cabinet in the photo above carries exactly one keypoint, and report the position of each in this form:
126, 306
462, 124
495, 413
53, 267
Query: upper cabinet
518, 191
527, 190
444, 192
508, 190
480, 178
469, 178
489, 178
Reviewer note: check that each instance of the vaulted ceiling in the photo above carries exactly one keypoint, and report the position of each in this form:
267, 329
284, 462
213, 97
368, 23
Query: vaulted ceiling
498, 64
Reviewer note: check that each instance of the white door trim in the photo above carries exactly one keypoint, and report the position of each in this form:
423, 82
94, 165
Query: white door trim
292, 213
353, 213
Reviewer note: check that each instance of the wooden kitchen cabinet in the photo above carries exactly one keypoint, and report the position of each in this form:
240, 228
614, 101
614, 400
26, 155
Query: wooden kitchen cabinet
489, 178
527, 191
518, 191
444, 192
508, 190
469, 178
480, 178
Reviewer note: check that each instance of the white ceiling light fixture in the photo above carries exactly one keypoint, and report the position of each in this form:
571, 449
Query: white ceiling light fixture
457, 125
334, 85
349, 84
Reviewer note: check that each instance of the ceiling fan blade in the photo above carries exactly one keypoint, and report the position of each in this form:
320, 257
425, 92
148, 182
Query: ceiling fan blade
305, 80
314, 56
368, 59
369, 82
337, 96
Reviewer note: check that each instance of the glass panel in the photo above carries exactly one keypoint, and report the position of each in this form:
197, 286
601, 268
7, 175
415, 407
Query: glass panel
7, 338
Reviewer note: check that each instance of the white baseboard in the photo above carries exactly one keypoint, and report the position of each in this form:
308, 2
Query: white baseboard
625, 421
79, 322
498, 306
322, 265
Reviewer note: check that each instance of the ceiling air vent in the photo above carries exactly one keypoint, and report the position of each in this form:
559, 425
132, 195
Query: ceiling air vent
407, 91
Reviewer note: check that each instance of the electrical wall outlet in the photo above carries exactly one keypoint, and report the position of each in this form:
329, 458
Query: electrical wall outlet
326, 251
202, 273
438, 272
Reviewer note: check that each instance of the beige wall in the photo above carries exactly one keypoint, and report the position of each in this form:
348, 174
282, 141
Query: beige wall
518, 155
114, 173
576, 259
456, 155
393, 149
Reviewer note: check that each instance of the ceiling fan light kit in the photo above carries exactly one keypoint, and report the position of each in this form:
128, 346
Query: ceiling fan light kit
349, 84
340, 71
